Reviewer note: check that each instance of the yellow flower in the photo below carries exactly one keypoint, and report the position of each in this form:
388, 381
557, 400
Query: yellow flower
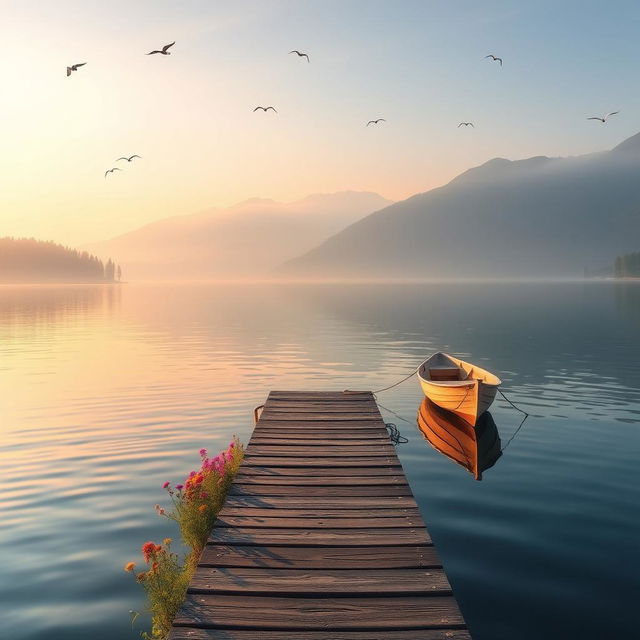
130, 566
167, 541
202, 508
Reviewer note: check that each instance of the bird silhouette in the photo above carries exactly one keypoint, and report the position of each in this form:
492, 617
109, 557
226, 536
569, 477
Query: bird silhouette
375, 121
129, 159
494, 58
108, 171
466, 124
300, 54
164, 51
604, 118
74, 67
265, 109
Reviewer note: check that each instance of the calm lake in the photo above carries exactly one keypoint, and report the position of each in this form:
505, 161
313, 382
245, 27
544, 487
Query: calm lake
109, 391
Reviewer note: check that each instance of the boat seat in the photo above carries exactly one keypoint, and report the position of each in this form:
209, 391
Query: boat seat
444, 372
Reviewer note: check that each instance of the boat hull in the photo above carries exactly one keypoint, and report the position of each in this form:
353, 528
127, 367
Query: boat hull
468, 398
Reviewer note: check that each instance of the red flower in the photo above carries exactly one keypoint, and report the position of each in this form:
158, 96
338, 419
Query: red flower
148, 550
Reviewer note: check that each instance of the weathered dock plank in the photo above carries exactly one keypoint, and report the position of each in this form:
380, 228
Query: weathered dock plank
335, 582
320, 537
190, 633
364, 558
308, 614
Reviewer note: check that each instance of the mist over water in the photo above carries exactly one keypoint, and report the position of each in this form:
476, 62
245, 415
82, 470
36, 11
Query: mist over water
109, 391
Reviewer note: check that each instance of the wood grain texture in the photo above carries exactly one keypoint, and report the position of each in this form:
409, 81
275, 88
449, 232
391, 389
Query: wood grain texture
316, 481
324, 407
314, 512
350, 490
329, 451
367, 537
309, 583
356, 396
305, 440
320, 472
290, 416
266, 613
193, 633
362, 558
286, 461
320, 537
328, 522
320, 502
318, 425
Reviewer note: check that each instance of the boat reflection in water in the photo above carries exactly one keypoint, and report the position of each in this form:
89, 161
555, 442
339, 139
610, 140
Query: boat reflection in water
474, 448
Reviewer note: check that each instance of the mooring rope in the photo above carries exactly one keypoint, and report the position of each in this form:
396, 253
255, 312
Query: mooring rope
513, 405
526, 415
394, 434
515, 433
391, 386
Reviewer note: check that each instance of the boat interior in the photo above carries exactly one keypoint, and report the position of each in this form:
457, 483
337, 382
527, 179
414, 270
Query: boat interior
442, 368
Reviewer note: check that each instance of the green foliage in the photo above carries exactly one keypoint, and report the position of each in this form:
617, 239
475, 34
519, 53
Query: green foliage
196, 504
627, 265
30, 260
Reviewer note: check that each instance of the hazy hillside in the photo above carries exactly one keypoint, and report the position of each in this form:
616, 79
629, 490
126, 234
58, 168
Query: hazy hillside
248, 239
536, 217
29, 260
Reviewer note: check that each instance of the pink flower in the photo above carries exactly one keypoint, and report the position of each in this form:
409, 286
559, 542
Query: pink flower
179, 487
203, 453
204, 495
165, 485
232, 445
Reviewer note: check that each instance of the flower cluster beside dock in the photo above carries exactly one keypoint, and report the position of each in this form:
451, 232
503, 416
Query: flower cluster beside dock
195, 506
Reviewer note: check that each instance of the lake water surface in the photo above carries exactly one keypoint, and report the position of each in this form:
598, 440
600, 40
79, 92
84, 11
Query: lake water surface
107, 392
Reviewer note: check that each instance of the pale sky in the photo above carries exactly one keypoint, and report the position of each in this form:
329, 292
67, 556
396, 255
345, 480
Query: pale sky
419, 64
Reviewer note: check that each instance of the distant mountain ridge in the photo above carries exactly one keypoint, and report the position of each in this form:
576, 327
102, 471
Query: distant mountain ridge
247, 240
537, 217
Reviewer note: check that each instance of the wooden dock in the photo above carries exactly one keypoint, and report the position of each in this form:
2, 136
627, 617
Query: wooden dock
320, 537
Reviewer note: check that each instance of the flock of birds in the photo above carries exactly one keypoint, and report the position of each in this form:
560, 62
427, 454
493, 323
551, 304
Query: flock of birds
301, 54
127, 158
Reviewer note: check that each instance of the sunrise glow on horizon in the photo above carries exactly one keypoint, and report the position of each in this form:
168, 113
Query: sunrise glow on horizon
419, 65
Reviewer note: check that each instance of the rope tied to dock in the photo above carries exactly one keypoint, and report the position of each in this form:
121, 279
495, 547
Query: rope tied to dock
394, 434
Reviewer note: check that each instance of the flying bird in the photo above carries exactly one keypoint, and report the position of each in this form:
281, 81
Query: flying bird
494, 58
164, 51
375, 121
108, 171
129, 159
604, 118
300, 54
265, 109
74, 67
466, 124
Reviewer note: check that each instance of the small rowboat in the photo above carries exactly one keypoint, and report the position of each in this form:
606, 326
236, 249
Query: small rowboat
458, 386
474, 448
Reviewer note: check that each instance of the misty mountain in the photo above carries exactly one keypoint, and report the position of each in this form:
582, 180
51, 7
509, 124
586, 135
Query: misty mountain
528, 218
246, 240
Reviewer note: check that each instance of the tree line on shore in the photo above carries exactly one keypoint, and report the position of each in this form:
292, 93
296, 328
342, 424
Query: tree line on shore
627, 265
31, 260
